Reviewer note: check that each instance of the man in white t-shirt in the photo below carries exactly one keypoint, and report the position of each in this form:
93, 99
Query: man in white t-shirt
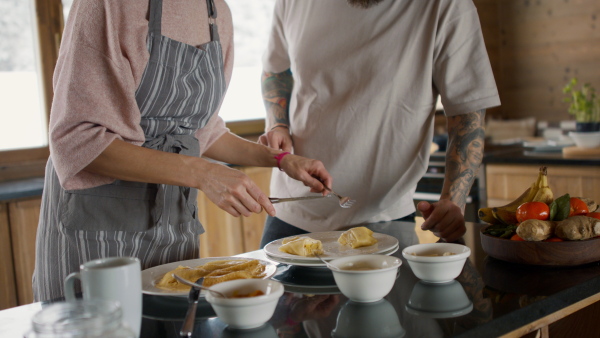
354, 83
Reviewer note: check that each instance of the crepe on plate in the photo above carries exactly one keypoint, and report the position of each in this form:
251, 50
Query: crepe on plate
357, 237
301, 246
213, 272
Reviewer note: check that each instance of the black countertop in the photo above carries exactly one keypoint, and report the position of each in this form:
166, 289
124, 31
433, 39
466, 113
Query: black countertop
502, 297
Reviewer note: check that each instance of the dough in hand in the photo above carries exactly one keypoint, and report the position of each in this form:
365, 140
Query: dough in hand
302, 246
357, 237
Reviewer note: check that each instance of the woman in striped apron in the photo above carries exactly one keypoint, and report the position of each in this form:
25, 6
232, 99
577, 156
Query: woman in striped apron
148, 209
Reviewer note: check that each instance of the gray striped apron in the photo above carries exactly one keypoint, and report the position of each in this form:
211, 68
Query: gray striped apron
182, 86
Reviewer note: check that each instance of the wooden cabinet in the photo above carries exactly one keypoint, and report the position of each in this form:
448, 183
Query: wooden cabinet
18, 226
227, 235
505, 182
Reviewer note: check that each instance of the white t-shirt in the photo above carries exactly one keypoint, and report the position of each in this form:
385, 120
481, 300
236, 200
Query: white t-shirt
365, 86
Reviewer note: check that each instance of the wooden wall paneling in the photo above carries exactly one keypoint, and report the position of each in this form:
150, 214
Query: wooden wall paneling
252, 227
489, 18
23, 217
8, 288
223, 236
535, 47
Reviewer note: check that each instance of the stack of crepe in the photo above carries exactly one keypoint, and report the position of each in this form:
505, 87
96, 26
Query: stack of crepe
213, 272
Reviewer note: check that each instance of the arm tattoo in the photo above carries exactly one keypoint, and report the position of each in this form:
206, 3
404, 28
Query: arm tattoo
464, 154
277, 90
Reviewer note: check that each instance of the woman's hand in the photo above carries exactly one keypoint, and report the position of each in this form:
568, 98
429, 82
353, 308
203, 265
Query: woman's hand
233, 191
310, 172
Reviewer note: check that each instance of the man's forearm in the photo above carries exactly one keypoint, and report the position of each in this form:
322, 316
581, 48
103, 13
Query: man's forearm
463, 155
277, 90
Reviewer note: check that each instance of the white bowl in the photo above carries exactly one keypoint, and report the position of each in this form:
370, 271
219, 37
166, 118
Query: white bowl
439, 300
365, 286
361, 320
436, 269
586, 139
245, 313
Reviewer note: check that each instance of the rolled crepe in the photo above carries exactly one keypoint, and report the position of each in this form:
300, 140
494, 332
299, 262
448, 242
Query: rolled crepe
302, 246
357, 237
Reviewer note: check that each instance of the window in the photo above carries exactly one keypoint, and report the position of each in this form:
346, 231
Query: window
243, 108
22, 102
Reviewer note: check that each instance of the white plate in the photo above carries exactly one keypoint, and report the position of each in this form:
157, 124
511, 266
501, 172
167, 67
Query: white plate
332, 249
153, 275
317, 264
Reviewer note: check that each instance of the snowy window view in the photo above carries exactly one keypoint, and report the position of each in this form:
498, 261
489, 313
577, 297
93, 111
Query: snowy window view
22, 112
251, 22
23, 122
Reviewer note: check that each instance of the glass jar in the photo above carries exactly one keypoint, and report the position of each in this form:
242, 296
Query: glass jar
81, 318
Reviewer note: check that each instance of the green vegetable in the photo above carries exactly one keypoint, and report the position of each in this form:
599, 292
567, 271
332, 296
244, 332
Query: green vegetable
560, 207
501, 230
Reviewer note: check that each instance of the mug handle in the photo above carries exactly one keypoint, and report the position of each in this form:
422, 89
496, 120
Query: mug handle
70, 286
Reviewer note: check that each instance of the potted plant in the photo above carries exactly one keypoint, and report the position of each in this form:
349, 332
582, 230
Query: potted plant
584, 105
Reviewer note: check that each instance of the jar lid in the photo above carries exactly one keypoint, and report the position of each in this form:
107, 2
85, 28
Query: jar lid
78, 318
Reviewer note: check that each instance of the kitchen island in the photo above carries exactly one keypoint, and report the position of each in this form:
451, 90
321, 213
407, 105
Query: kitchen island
490, 298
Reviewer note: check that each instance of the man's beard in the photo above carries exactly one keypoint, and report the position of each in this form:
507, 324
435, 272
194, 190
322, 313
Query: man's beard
363, 3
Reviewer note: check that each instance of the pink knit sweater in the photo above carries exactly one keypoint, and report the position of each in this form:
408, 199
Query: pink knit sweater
102, 58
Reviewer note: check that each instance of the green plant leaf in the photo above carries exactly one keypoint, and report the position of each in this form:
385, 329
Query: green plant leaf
560, 207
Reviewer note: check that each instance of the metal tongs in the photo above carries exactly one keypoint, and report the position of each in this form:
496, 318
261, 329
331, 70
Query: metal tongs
290, 199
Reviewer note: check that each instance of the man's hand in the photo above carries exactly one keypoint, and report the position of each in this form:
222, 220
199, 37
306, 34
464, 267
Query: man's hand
277, 138
444, 218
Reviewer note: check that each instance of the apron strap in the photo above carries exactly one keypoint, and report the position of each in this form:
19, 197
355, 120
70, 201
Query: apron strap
154, 21
212, 22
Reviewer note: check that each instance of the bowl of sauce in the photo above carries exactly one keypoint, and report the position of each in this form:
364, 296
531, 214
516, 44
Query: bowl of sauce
365, 278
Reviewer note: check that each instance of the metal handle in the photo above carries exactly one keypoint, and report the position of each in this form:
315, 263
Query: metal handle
290, 199
188, 323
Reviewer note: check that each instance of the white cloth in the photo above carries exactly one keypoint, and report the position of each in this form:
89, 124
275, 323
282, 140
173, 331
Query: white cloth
365, 88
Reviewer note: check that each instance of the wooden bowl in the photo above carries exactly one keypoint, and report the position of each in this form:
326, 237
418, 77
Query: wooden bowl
567, 253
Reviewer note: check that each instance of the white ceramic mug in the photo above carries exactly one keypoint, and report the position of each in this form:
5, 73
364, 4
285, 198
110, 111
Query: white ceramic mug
112, 278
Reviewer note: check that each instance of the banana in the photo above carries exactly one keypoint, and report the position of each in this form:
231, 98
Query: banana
486, 215
544, 194
539, 191
505, 215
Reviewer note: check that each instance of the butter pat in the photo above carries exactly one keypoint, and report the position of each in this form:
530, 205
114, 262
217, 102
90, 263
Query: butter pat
302, 246
357, 237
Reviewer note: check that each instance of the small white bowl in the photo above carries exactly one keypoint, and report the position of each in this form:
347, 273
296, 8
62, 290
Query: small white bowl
586, 139
436, 269
245, 313
365, 286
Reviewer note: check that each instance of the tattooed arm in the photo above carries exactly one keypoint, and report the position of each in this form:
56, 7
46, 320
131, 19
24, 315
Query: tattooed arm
277, 90
463, 157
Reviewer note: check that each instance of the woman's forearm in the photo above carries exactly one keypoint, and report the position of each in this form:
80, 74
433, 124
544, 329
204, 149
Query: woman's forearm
232, 149
125, 161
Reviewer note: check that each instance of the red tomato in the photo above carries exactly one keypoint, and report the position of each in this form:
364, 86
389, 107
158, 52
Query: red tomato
553, 239
578, 207
594, 214
533, 210
516, 237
